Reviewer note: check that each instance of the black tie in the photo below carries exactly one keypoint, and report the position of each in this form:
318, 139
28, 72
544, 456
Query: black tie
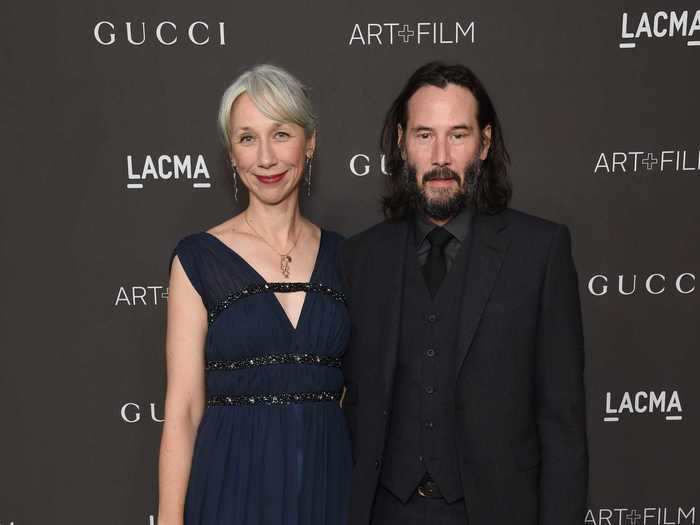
436, 267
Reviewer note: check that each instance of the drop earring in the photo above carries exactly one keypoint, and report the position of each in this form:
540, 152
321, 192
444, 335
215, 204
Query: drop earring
235, 181
307, 172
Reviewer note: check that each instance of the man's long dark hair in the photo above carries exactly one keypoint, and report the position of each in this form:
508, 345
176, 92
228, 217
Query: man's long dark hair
493, 189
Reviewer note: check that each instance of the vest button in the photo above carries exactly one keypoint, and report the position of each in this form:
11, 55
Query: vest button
432, 318
430, 352
429, 390
428, 424
376, 464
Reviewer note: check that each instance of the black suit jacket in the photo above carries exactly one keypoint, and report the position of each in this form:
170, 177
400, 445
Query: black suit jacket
518, 398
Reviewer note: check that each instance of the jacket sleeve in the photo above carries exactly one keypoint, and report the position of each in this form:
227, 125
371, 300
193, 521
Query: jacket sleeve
561, 414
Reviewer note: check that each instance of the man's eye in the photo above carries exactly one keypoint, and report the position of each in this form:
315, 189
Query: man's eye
423, 135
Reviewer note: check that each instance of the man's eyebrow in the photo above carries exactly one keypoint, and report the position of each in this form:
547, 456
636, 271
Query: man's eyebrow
419, 128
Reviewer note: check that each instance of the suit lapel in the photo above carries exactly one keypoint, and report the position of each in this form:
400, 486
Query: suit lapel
487, 252
390, 274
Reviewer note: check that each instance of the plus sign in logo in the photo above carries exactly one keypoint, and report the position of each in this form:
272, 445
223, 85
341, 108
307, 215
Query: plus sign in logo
406, 34
650, 161
647, 162
416, 33
633, 517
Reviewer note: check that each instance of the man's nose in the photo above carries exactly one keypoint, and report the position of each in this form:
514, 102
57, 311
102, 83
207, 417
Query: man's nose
441, 153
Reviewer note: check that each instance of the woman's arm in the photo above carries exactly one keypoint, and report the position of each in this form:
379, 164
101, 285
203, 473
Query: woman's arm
184, 399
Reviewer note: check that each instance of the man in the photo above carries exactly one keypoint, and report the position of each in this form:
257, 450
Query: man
465, 394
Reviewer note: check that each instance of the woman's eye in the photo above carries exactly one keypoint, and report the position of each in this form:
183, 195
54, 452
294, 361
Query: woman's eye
245, 138
282, 135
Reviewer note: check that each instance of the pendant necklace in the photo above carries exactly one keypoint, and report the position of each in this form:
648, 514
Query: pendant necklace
285, 258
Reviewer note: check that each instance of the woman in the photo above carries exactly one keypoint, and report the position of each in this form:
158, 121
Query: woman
253, 430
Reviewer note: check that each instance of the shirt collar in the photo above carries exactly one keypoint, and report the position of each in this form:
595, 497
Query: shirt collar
458, 226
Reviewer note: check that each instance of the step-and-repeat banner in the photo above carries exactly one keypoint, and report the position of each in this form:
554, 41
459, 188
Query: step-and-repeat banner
111, 154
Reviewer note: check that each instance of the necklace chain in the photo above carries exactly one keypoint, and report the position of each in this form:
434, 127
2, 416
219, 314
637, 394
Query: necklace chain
285, 258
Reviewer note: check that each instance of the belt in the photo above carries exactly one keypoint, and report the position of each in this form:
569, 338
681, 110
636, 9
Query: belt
428, 488
272, 399
275, 359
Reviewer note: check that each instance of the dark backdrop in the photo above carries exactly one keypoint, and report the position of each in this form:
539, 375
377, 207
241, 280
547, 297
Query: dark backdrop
600, 108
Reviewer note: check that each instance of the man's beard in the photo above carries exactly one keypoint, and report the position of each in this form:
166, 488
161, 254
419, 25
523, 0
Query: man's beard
446, 202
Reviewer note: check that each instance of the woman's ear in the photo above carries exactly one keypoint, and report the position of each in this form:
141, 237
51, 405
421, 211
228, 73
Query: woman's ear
311, 145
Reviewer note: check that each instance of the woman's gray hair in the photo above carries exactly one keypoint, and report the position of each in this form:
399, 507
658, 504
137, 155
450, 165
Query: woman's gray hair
275, 92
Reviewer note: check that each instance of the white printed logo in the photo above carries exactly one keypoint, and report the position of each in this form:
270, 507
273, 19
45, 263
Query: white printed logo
660, 24
666, 404
131, 413
645, 162
653, 284
361, 164
395, 33
165, 33
141, 295
167, 168
641, 516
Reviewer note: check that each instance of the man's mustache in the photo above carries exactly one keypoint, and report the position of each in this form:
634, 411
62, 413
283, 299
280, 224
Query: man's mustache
441, 174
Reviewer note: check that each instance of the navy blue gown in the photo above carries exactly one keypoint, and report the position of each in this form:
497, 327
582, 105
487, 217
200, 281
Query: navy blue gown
272, 447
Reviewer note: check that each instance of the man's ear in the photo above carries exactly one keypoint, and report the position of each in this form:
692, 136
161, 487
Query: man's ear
399, 141
485, 142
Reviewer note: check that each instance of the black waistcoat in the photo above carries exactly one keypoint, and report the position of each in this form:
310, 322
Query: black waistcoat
421, 437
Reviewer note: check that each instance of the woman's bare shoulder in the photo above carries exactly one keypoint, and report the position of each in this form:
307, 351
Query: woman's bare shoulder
313, 229
227, 227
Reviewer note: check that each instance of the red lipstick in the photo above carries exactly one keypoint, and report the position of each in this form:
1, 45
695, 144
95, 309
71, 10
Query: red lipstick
272, 179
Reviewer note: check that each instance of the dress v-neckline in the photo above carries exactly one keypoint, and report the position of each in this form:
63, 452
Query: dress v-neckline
282, 311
